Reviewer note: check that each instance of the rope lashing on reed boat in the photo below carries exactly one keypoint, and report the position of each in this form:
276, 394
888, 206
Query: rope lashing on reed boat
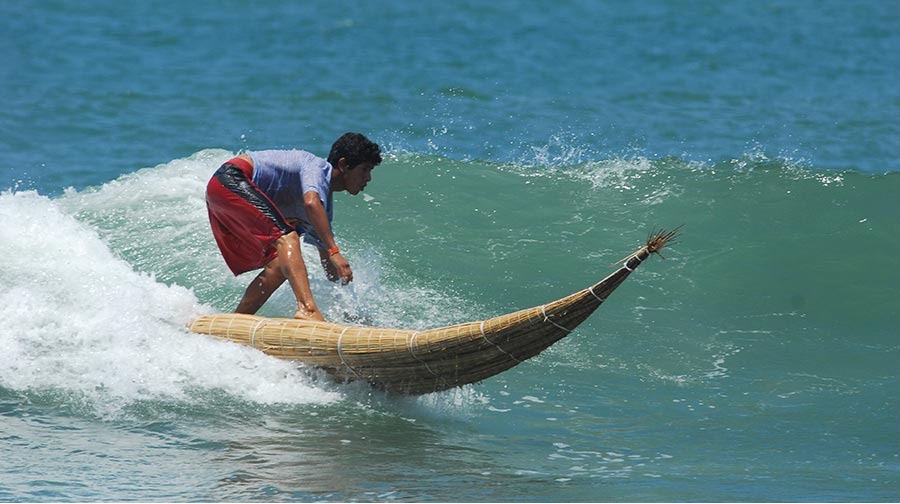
547, 319
635, 256
212, 321
591, 290
341, 353
511, 356
262, 322
230, 323
412, 351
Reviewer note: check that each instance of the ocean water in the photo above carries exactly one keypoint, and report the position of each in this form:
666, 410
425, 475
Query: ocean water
528, 146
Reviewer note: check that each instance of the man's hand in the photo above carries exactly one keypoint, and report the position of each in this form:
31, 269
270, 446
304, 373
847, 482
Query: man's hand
336, 267
341, 267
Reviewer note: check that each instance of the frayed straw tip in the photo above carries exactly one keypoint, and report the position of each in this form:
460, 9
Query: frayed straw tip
660, 238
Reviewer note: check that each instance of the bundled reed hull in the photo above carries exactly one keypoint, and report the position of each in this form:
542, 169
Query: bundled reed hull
419, 362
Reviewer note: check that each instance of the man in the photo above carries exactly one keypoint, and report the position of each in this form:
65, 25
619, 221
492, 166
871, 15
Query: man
261, 202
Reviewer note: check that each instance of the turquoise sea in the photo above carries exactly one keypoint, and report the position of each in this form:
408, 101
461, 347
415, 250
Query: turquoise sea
529, 145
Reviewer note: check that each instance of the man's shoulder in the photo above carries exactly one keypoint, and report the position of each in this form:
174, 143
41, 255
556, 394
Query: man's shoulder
293, 159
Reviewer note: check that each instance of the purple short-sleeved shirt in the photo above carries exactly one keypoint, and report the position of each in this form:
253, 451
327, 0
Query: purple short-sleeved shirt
285, 176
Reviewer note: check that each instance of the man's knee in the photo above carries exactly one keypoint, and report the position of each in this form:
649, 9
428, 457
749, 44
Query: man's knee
291, 240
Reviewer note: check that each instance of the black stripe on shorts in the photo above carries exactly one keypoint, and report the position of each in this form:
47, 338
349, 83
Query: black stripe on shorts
233, 179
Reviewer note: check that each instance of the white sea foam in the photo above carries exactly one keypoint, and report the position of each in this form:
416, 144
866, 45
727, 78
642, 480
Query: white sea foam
156, 219
77, 319
93, 303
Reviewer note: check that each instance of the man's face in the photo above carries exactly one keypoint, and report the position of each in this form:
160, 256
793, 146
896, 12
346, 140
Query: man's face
356, 178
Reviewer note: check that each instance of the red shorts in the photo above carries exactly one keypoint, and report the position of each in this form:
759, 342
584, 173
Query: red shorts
244, 220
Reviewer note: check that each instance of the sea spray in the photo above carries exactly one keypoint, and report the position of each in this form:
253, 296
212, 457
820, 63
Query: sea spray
79, 321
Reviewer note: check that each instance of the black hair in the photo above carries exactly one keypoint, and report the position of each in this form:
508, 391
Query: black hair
356, 149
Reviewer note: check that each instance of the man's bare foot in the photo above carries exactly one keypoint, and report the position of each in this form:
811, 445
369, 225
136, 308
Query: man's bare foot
306, 314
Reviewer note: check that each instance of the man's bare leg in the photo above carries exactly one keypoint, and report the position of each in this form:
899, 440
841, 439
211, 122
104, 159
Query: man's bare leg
261, 288
288, 266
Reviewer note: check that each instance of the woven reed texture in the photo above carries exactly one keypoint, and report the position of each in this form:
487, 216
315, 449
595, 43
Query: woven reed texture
419, 362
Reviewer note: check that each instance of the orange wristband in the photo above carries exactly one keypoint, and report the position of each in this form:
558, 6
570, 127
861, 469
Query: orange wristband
333, 250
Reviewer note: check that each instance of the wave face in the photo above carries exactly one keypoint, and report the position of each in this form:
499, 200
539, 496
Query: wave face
778, 295
767, 247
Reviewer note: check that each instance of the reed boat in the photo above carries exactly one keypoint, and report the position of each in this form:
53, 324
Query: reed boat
418, 362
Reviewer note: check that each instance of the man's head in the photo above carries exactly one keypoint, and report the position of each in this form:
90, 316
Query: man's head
355, 149
354, 156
